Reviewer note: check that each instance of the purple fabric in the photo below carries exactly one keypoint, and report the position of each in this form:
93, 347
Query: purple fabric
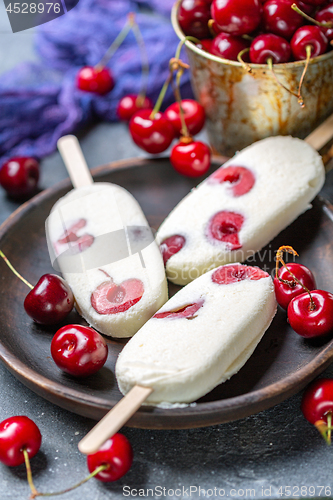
39, 102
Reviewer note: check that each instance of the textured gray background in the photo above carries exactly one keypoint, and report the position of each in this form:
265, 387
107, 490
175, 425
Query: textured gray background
263, 452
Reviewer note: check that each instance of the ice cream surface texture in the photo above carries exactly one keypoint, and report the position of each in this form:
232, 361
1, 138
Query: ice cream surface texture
201, 337
99, 238
241, 207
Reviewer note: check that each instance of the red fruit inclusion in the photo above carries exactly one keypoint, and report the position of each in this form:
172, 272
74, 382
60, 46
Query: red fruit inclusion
187, 311
76, 243
241, 179
225, 226
233, 273
170, 246
109, 298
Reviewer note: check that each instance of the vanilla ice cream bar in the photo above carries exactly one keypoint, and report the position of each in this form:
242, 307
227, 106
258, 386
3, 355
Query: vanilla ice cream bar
201, 337
241, 207
99, 238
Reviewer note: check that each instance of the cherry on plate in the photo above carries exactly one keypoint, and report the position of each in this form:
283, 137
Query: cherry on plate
190, 159
154, 135
50, 301
285, 292
19, 176
96, 80
311, 316
130, 104
79, 350
317, 400
117, 453
194, 115
16, 434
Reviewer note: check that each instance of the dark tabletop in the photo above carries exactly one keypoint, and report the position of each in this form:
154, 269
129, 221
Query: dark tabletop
258, 457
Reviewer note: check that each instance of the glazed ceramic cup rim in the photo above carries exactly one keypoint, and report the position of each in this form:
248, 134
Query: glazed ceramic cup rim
191, 46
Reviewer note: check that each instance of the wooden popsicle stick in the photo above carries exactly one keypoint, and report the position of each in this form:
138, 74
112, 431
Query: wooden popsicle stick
321, 135
114, 419
74, 160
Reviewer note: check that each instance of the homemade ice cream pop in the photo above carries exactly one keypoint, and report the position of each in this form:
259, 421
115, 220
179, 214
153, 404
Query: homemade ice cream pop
100, 240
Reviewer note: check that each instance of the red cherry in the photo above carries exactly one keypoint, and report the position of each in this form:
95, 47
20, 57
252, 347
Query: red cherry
269, 46
205, 44
225, 226
286, 292
50, 301
71, 239
16, 434
187, 311
305, 36
170, 246
109, 298
232, 273
19, 176
279, 18
314, 3
311, 323
130, 104
193, 17
154, 135
117, 453
325, 15
317, 400
228, 46
235, 17
194, 115
192, 159
241, 179
79, 350
304, 7
96, 80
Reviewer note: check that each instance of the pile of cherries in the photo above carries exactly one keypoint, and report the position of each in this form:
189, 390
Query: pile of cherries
262, 30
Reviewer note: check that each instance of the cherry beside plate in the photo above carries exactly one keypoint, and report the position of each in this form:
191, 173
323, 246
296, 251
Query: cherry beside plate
282, 364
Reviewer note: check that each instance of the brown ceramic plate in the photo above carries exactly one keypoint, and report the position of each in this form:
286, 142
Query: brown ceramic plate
282, 364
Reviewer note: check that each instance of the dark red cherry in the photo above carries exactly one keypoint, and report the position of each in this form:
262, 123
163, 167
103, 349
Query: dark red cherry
95, 80
117, 453
232, 273
170, 246
304, 7
225, 226
154, 135
314, 3
130, 104
311, 321
19, 176
193, 17
308, 36
240, 179
190, 159
325, 15
228, 46
188, 311
16, 434
269, 46
235, 17
205, 44
79, 350
285, 292
194, 115
110, 298
50, 301
279, 18
317, 400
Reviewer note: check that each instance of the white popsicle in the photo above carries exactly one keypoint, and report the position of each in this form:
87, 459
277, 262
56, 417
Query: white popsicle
241, 207
100, 240
201, 337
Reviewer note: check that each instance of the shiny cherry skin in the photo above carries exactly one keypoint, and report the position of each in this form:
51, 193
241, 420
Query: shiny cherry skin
50, 301
132, 103
193, 17
308, 35
96, 80
79, 350
307, 323
194, 115
325, 15
280, 19
154, 135
170, 246
235, 17
317, 400
117, 453
269, 46
16, 434
205, 44
228, 46
192, 159
286, 292
19, 176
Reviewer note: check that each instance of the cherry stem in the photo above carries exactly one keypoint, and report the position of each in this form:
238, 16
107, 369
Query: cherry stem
33, 489
308, 49
211, 28
325, 429
117, 42
144, 63
14, 270
160, 98
246, 66
279, 253
271, 67
329, 24
329, 427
